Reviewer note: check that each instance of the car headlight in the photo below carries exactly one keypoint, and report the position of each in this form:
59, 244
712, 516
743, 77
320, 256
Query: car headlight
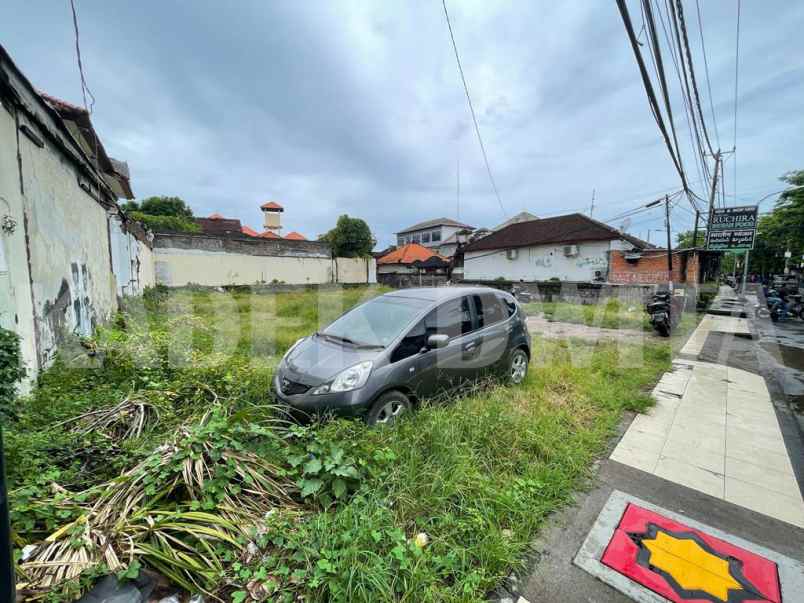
347, 380
291, 348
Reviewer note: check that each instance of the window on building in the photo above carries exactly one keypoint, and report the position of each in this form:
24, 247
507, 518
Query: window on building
425, 237
415, 238
436, 236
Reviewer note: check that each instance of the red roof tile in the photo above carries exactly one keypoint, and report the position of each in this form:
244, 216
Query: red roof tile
267, 234
295, 236
216, 216
272, 205
249, 231
407, 254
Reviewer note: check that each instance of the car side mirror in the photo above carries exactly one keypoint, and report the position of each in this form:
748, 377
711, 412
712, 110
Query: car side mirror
437, 341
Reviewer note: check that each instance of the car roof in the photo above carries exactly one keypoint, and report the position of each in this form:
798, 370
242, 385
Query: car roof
438, 294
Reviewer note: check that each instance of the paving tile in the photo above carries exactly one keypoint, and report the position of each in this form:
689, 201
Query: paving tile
749, 420
699, 457
693, 437
637, 458
747, 451
765, 478
764, 501
690, 476
770, 440
642, 440
701, 419
655, 424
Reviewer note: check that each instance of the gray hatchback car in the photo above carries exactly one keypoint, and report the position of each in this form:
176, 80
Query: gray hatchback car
383, 355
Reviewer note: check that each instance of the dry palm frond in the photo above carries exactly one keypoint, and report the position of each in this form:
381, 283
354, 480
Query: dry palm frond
123, 420
150, 512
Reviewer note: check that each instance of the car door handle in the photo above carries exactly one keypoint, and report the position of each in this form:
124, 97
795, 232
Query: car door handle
469, 347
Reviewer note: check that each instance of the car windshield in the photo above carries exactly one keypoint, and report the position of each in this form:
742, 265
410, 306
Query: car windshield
376, 322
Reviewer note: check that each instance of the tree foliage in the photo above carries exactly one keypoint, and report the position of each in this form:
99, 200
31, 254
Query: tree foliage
161, 206
350, 238
781, 230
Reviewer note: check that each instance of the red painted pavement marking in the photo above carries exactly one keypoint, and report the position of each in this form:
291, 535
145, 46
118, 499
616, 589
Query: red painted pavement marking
621, 556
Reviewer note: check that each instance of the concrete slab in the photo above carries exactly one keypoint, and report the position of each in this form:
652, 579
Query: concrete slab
790, 571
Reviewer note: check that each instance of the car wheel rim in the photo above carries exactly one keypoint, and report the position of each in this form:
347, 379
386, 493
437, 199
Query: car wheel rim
519, 365
390, 411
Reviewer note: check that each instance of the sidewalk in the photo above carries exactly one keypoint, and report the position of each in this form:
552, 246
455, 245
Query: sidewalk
718, 457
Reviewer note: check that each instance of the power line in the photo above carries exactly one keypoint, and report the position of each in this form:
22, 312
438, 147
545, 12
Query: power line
678, 14
84, 87
706, 71
663, 84
736, 88
472, 110
653, 103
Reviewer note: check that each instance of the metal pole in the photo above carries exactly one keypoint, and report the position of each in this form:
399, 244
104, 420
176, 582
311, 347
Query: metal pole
8, 591
745, 271
695, 232
669, 247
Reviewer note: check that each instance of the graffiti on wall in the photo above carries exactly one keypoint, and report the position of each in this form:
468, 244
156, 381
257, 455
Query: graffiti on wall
594, 261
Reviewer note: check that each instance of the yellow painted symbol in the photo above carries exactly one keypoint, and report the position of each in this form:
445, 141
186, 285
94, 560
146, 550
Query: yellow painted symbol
690, 565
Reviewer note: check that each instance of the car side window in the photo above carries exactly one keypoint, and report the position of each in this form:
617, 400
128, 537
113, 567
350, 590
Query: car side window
509, 305
452, 318
489, 309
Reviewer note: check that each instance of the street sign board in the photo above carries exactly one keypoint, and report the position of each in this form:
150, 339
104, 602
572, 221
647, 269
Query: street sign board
732, 228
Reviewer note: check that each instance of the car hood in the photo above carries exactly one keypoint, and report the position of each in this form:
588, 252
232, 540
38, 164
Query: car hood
318, 359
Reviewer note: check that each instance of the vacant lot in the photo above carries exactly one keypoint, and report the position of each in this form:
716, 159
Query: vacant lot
160, 449
609, 314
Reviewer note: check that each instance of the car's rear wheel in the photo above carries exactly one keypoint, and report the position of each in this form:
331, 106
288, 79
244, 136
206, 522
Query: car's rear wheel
388, 408
518, 368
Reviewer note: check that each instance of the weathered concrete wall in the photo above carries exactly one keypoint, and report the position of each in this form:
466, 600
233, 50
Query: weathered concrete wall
68, 238
132, 257
16, 308
221, 261
356, 270
539, 263
180, 267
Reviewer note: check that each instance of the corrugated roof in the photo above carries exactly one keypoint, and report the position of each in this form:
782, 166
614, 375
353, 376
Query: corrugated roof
272, 205
434, 223
295, 236
572, 228
407, 254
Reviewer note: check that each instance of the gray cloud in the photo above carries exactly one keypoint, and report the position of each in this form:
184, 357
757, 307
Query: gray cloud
353, 107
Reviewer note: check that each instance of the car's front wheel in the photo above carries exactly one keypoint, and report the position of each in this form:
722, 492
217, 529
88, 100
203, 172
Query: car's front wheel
388, 408
518, 368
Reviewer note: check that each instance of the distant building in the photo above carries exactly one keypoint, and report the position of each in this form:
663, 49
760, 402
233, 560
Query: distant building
523, 216
568, 248
402, 259
407, 266
431, 233
217, 224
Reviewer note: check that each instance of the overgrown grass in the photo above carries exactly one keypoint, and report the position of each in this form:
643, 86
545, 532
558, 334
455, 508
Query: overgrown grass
609, 314
477, 475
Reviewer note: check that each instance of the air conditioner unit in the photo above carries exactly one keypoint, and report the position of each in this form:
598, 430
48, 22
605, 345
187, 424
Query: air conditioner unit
512, 254
570, 250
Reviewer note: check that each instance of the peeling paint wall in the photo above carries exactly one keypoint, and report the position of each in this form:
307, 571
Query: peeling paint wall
60, 277
132, 258
540, 263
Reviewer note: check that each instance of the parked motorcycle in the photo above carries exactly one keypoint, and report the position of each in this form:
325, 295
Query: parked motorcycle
662, 318
776, 307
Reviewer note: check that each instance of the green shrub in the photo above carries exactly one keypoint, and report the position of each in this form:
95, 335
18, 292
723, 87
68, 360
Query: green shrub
166, 223
11, 370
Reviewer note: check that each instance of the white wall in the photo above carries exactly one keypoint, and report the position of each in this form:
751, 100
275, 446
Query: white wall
539, 263
60, 276
356, 270
132, 259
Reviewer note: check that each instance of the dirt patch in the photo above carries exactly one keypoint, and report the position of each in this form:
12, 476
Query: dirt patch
538, 325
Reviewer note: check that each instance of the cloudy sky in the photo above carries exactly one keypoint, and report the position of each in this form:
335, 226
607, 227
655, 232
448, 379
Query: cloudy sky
357, 106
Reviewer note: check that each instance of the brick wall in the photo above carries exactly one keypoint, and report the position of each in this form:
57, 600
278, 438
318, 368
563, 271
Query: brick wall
652, 268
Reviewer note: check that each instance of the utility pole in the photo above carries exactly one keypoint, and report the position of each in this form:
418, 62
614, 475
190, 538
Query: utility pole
669, 249
592, 208
745, 271
695, 231
712, 194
